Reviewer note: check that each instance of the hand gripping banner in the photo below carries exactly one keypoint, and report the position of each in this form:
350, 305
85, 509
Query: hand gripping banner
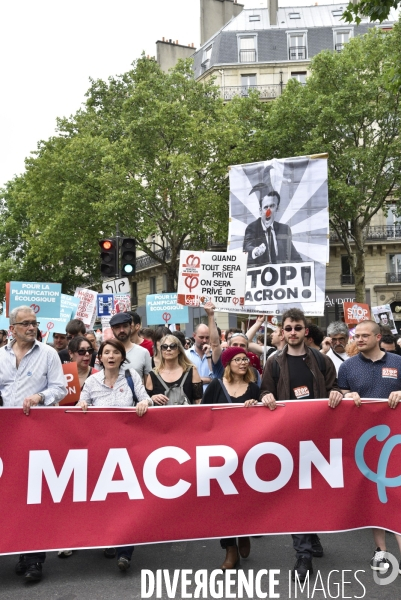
109, 478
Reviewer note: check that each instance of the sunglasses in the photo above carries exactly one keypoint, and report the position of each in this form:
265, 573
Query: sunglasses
27, 323
169, 347
295, 328
83, 351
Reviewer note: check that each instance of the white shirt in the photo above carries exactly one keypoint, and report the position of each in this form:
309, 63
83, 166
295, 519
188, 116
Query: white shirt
97, 393
40, 370
337, 361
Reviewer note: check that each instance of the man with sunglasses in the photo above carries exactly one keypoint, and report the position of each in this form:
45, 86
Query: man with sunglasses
298, 372
30, 375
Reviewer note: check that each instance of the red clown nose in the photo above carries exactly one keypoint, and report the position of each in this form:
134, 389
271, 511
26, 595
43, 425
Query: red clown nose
268, 213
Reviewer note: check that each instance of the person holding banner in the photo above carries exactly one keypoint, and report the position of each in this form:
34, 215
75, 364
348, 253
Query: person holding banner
30, 376
237, 385
118, 387
298, 372
174, 371
373, 373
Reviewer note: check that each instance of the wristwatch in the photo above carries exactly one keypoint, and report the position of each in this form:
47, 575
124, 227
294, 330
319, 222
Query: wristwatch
42, 397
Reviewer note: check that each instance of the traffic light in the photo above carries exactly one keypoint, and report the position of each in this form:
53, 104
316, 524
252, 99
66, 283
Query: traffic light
128, 256
108, 257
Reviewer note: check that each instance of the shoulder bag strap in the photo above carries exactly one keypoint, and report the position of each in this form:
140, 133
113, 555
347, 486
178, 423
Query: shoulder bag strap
225, 391
131, 385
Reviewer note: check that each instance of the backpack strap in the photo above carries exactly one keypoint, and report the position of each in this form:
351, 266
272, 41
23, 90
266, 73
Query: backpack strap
225, 391
166, 388
131, 385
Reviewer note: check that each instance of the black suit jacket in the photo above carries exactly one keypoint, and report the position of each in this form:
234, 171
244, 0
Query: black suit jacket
255, 236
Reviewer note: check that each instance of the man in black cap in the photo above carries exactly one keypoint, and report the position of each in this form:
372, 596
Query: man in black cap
267, 241
137, 357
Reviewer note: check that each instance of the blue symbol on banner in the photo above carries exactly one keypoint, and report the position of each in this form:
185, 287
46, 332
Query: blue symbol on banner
380, 432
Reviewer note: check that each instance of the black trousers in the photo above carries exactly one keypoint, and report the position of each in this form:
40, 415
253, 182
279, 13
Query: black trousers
35, 557
302, 543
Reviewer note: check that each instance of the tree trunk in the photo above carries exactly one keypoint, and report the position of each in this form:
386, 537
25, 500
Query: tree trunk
358, 263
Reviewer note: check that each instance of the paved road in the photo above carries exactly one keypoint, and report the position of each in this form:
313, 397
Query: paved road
87, 575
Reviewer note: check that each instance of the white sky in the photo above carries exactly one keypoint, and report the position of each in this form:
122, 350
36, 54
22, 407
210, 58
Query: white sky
50, 48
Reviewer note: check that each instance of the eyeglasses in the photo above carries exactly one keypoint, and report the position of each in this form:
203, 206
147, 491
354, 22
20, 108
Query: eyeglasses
84, 351
169, 347
28, 323
295, 328
244, 360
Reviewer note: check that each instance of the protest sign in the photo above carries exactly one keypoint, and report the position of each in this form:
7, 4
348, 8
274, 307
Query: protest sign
49, 326
43, 298
279, 216
354, 312
68, 308
384, 316
81, 472
122, 303
105, 305
73, 386
217, 277
165, 308
86, 310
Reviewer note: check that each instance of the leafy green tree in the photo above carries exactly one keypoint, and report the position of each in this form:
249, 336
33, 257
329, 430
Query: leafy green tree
148, 151
348, 109
375, 10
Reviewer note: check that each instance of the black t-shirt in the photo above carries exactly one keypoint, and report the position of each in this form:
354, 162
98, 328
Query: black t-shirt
215, 395
301, 378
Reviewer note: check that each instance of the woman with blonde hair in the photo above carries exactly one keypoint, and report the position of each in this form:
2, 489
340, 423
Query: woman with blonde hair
238, 385
175, 380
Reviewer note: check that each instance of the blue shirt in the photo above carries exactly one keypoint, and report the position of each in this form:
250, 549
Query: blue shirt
371, 379
200, 363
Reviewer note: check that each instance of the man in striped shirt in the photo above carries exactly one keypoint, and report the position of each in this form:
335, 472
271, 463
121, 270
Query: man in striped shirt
30, 375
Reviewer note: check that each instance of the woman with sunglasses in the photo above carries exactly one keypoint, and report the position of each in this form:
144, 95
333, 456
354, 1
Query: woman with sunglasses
238, 385
80, 350
174, 370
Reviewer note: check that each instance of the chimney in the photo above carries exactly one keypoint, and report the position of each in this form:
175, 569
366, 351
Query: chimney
214, 14
273, 10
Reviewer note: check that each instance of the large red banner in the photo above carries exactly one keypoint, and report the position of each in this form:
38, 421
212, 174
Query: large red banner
109, 478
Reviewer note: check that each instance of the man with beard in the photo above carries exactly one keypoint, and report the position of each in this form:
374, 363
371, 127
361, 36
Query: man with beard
334, 344
137, 357
298, 372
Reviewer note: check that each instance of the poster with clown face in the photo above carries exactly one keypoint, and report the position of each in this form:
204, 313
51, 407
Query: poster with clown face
279, 216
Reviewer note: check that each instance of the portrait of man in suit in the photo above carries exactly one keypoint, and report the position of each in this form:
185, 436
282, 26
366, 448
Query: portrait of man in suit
266, 240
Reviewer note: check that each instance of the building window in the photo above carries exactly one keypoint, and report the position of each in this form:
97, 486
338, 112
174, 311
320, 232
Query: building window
299, 76
394, 275
254, 18
134, 292
341, 37
393, 223
294, 15
165, 284
247, 81
347, 277
337, 12
297, 46
152, 285
247, 49
207, 54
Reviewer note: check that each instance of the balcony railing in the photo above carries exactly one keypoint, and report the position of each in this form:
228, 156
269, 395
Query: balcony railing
265, 91
338, 47
348, 279
393, 277
246, 56
144, 262
297, 52
376, 232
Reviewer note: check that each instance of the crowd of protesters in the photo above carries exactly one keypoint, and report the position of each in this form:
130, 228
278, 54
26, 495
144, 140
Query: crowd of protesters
159, 367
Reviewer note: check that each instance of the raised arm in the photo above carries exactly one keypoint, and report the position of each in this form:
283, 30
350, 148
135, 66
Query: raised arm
213, 333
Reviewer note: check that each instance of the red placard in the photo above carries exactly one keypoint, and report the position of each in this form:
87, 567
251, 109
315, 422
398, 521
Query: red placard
72, 383
355, 312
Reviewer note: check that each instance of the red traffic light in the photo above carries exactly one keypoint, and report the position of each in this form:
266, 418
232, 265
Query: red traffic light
106, 244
